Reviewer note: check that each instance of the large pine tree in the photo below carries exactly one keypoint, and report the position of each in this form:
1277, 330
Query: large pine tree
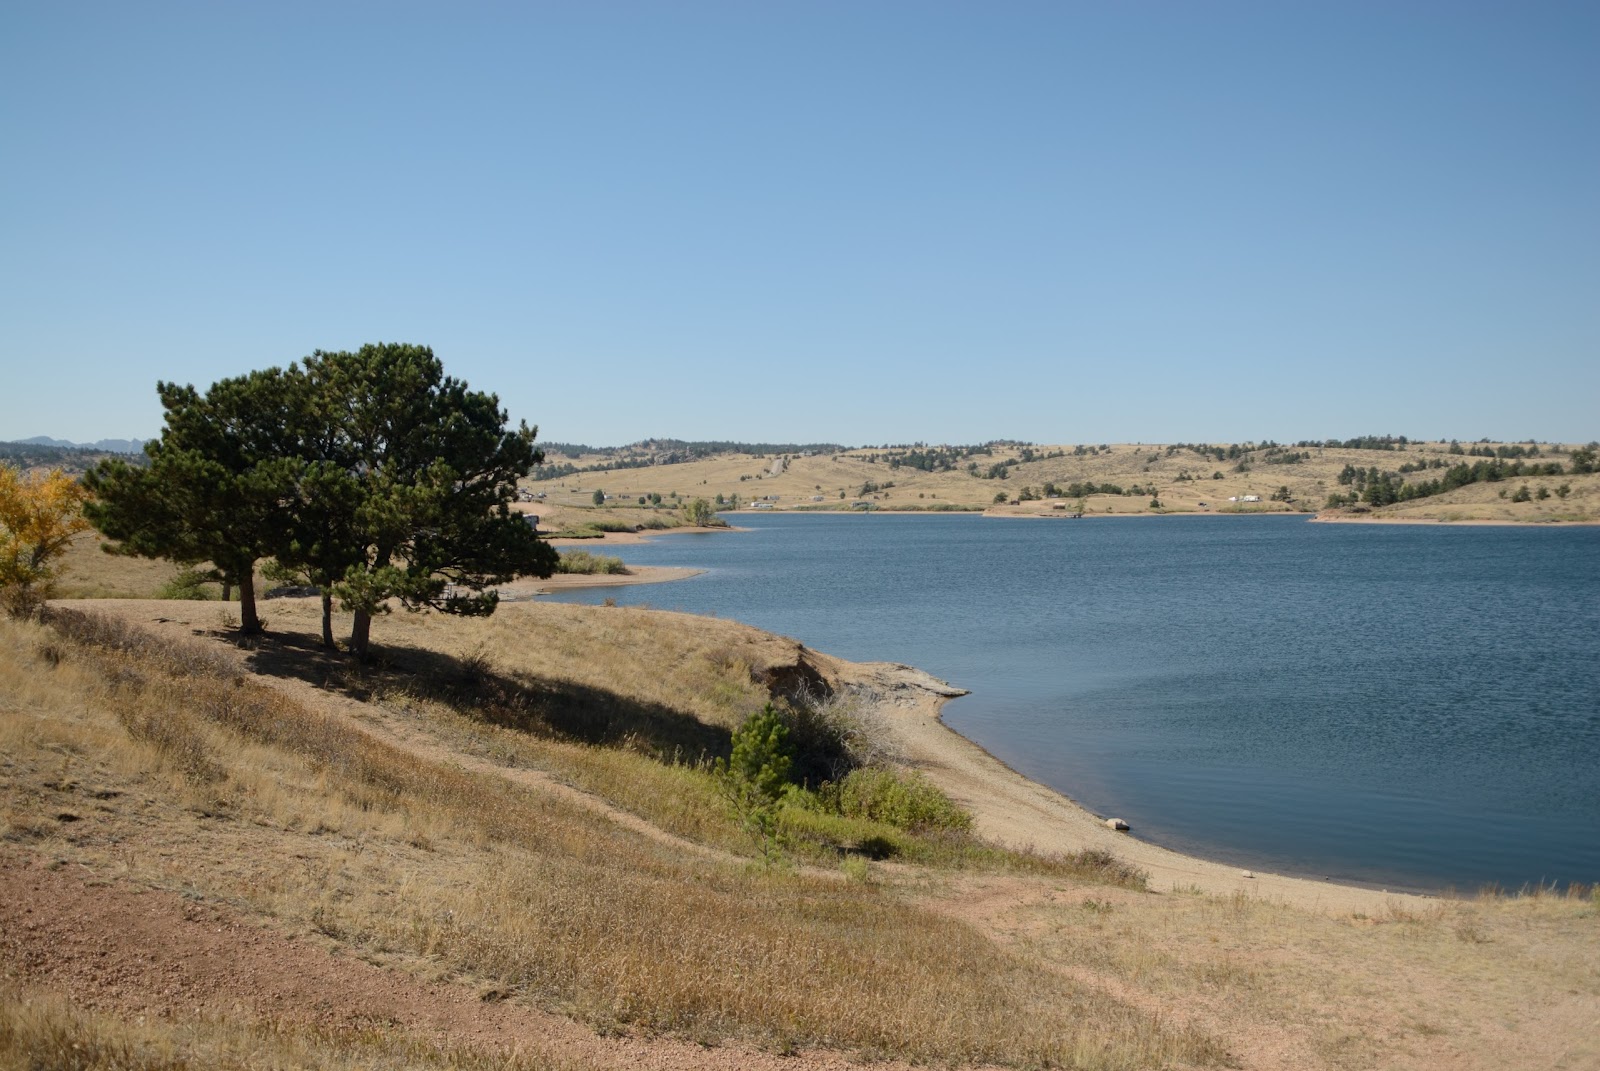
370, 473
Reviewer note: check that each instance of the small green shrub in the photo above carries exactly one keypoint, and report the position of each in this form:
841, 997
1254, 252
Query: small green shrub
762, 755
905, 800
755, 776
189, 584
586, 564
698, 512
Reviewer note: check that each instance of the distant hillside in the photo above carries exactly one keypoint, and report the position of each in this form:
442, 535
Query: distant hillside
1373, 477
104, 446
43, 453
688, 448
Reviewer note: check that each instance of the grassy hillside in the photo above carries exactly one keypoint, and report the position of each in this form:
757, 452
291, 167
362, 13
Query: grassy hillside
1182, 478
412, 813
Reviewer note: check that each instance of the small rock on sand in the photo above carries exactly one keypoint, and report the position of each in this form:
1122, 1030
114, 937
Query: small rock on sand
1116, 823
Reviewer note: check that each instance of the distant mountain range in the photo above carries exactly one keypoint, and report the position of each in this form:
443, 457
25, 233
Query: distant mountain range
109, 446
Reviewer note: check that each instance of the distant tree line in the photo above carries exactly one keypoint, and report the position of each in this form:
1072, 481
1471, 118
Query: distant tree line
556, 472
938, 458
1507, 452
1085, 489
1377, 488
1230, 452
1364, 442
65, 458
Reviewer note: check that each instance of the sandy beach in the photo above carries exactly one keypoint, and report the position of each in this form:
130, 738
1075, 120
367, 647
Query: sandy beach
529, 587
1015, 811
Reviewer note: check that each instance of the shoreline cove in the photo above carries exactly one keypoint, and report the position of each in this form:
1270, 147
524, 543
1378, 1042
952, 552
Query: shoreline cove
1016, 811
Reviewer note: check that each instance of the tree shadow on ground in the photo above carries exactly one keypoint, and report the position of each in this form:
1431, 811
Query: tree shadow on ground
472, 687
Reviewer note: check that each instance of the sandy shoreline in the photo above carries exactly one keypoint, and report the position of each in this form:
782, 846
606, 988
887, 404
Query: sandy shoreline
528, 587
1012, 810
1464, 522
1057, 515
614, 539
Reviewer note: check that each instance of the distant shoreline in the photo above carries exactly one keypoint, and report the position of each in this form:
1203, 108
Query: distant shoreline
1057, 515
644, 536
1463, 522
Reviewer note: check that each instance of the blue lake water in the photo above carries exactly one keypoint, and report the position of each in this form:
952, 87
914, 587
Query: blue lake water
1410, 706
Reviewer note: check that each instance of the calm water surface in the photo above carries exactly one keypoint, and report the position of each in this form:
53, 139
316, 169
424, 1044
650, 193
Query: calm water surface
1412, 706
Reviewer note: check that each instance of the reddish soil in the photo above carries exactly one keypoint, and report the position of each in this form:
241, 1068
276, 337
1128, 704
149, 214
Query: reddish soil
149, 952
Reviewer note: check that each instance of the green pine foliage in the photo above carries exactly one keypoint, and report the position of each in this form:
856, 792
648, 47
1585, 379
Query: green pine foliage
191, 584
762, 755
372, 475
1378, 488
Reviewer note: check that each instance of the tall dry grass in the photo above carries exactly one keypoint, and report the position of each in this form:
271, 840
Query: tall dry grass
44, 1032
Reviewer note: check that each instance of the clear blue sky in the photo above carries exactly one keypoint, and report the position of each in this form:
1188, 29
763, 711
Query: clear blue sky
858, 222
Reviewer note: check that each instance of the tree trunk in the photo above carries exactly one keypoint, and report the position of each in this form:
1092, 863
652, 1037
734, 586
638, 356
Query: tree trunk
249, 623
327, 618
227, 589
360, 631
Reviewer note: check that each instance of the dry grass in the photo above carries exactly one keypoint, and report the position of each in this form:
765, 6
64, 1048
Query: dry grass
88, 572
1454, 984
470, 876
42, 1031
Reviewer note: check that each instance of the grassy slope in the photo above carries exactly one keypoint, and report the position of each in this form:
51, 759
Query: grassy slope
87, 572
325, 828
1309, 482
